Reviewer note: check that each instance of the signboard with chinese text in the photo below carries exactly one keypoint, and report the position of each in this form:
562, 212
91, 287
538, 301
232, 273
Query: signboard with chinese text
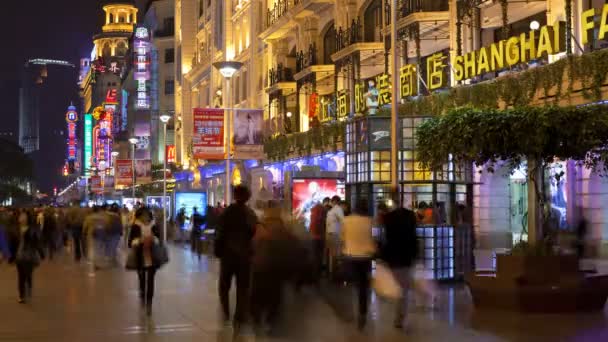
142, 68
88, 143
123, 173
143, 171
208, 134
248, 139
96, 184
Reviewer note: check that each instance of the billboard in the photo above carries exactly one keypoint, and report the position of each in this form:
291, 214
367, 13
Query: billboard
96, 184
306, 193
155, 202
248, 139
142, 67
88, 143
170, 153
187, 201
143, 171
208, 134
123, 173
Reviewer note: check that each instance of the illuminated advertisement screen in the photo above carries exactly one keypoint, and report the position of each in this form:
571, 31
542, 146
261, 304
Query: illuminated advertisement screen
306, 193
88, 142
155, 202
189, 200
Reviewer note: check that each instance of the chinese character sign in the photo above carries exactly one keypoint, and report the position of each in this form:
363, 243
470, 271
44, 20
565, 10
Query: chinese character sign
436, 77
384, 90
71, 118
359, 98
142, 69
343, 105
96, 184
88, 142
208, 134
408, 78
123, 172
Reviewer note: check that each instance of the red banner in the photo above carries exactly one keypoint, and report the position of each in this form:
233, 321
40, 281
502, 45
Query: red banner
96, 184
123, 173
208, 135
170, 154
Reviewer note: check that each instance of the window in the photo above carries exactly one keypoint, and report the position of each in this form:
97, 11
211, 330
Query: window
169, 26
169, 87
169, 55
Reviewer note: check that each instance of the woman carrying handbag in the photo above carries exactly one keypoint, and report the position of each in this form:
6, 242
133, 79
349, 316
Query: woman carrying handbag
147, 254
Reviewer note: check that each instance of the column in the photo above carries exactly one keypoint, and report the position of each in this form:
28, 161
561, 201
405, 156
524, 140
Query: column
591, 198
491, 209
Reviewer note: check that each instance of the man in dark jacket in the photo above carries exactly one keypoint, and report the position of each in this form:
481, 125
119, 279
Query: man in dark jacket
233, 245
399, 251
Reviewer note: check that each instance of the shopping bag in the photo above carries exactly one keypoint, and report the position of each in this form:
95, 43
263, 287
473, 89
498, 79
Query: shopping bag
385, 284
131, 263
160, 254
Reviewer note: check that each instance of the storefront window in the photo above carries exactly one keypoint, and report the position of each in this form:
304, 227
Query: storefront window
381, 166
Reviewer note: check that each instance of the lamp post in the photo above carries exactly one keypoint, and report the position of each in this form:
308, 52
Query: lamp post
165, 119
227, 69
133, 142
394, 103
114, 156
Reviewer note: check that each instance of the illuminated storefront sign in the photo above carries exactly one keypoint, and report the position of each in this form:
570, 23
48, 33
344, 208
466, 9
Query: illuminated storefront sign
142, 68
88, 142
170, 153
71, 117
124, 110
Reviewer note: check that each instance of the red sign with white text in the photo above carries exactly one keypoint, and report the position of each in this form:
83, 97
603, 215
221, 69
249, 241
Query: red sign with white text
208, 134
123, 172
96, 184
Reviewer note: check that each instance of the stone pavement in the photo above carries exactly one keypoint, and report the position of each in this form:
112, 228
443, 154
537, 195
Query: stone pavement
71, 303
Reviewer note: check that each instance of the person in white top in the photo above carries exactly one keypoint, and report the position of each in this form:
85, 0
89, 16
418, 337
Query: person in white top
359, 248
333, 223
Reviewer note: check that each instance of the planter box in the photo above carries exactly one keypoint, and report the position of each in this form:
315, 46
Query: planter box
536, 269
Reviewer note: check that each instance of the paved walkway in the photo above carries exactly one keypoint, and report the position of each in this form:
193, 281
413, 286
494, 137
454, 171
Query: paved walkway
72, 304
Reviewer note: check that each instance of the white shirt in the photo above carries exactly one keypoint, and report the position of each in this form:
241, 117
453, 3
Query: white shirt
335, 218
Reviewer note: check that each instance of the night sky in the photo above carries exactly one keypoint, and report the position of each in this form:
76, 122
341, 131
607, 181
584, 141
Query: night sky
59, 29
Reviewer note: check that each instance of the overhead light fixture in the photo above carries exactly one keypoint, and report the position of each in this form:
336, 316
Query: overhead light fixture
534, 25
165, 118
133, 141
228, 69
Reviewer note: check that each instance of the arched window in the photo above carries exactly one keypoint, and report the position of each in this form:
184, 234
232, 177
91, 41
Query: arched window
121, 49
107, 50
329, 44
372, 20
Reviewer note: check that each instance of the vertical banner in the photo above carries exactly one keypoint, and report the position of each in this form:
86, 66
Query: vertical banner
247, 137
123, 173
143, 171
170, 154
108, 183
96, 184
208, 135
88, 143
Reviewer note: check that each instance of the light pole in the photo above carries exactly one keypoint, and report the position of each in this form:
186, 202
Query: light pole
394, 104
165, 119
133, 142
227, 69
113, 166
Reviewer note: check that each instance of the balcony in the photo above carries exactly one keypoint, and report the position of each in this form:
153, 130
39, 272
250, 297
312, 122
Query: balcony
351, 40
282, 16
307, 64
409, 7
280, 78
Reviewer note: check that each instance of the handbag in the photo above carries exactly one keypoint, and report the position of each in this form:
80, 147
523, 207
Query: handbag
131, 263
385, 284
160, 254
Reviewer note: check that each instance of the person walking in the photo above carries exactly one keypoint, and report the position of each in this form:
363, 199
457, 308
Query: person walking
29, 252
197, 221
399, 250
318, 222
335, 218
95, 231
49, 231
74, 222
233, 245
358, 250
113, 234
143, 236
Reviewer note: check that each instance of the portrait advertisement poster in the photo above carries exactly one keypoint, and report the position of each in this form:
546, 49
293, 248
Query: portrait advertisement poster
248, 139
123, 173
306, 193
208, 134
187, 201
96, 184
143, 171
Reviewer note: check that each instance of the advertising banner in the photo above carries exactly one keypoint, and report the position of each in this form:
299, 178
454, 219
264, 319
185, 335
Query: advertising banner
123, 173
155, 202
248, 139
208, 135
108, 182
306, 193
187, 201
88, 143
143, 171
170, 154
96, 184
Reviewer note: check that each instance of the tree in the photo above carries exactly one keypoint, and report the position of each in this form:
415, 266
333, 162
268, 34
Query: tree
538, 135
16, 168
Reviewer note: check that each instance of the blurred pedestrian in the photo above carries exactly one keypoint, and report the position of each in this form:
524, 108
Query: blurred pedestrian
144, 234
335, 218
399, 250
233, 245
74, 221
197, 220
318, 222
113, 234
49, 231
29, 251
358, 249
95, 228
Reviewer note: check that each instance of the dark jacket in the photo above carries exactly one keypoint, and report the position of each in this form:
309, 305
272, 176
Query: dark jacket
27, 248
136, 234
400, 246
236, 228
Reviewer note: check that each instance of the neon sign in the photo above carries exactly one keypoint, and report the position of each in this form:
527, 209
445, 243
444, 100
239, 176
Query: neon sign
88, 142
71, 117
142, 67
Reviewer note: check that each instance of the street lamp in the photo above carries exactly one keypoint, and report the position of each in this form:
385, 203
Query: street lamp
227, 69
133, 142
165, 119
114, 156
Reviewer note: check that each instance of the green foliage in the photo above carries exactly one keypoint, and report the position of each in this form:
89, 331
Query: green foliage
485, 136
323, 138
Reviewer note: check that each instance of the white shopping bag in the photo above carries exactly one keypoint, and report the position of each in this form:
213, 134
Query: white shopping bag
385, 284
